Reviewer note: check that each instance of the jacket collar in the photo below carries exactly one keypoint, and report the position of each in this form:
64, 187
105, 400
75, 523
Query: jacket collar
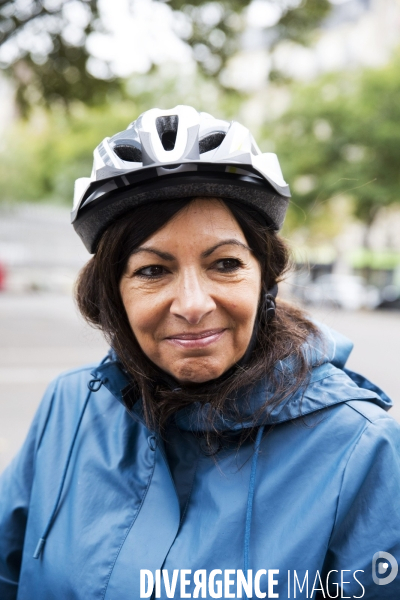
329, 384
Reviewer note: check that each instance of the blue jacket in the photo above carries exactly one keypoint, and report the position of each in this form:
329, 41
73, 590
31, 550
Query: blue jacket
100, 500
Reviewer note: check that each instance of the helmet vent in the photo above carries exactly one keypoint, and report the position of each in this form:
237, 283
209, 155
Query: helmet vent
211, 142
167, 128
128, 153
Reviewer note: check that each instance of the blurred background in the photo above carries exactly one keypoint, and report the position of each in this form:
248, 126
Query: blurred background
316, 81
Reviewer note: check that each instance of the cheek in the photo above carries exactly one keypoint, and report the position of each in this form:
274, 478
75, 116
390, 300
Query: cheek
243, 304
145, 311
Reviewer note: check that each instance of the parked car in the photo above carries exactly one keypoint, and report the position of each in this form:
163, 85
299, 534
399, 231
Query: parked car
344, 291
2, 277
390, 297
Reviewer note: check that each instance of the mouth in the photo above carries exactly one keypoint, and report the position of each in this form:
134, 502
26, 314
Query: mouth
199, 339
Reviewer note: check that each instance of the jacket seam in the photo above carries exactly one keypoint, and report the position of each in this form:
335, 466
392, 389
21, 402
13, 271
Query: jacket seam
190, 494
51, 404
327, 407
40, 438
384, 416
366, 426
128, 530
52, 401
34, 457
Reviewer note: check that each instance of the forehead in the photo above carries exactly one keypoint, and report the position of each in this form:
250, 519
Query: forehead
202, 220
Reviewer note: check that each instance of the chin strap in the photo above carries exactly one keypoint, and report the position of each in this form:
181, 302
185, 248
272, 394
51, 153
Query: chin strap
268, 311
270, 304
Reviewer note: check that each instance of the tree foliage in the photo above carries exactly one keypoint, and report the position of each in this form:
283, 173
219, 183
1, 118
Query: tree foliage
42, 156
44, 42
44, 63
338, 143
339, 140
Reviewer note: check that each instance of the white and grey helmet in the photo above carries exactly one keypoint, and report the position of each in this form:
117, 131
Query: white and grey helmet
176, 153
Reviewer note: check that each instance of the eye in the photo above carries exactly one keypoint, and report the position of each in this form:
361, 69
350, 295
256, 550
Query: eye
227, 265
151, 272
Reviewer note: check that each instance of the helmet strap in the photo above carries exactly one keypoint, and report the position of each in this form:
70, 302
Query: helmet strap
270, 303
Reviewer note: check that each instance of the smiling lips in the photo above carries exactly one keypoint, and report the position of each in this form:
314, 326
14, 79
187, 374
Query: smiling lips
196, 340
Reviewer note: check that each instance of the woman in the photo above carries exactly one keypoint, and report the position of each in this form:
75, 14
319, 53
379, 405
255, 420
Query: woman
221, 449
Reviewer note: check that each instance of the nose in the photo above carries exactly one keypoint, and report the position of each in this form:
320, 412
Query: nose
192, 299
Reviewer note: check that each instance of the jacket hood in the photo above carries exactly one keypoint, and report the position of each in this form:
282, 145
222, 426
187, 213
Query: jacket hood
330, 383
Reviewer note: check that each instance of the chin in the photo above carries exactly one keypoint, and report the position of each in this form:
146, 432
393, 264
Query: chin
195, 373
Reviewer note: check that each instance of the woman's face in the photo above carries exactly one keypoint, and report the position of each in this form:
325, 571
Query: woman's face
191, 293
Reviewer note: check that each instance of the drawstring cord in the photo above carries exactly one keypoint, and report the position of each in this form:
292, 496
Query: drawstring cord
250, 498
94, 385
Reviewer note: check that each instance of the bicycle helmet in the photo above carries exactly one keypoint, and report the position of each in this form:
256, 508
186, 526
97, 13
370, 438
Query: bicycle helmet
176, 153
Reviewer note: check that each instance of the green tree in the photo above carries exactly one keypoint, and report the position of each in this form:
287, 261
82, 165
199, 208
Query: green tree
341, 139
43, 155
42, 63
47, 60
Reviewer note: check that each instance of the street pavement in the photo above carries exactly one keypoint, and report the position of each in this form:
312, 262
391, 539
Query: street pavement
43, 335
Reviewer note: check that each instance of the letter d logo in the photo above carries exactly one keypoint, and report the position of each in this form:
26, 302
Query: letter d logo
382, 567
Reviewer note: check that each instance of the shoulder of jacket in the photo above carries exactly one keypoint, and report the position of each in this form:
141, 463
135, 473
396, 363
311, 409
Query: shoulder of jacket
71, 392
371, 412
76, 374
363, 423
73, 382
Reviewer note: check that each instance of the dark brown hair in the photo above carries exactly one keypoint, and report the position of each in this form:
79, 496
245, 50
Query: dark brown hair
99, 301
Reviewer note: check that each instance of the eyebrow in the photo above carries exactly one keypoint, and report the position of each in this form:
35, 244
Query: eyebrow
231, 242
169, 257
163, 255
